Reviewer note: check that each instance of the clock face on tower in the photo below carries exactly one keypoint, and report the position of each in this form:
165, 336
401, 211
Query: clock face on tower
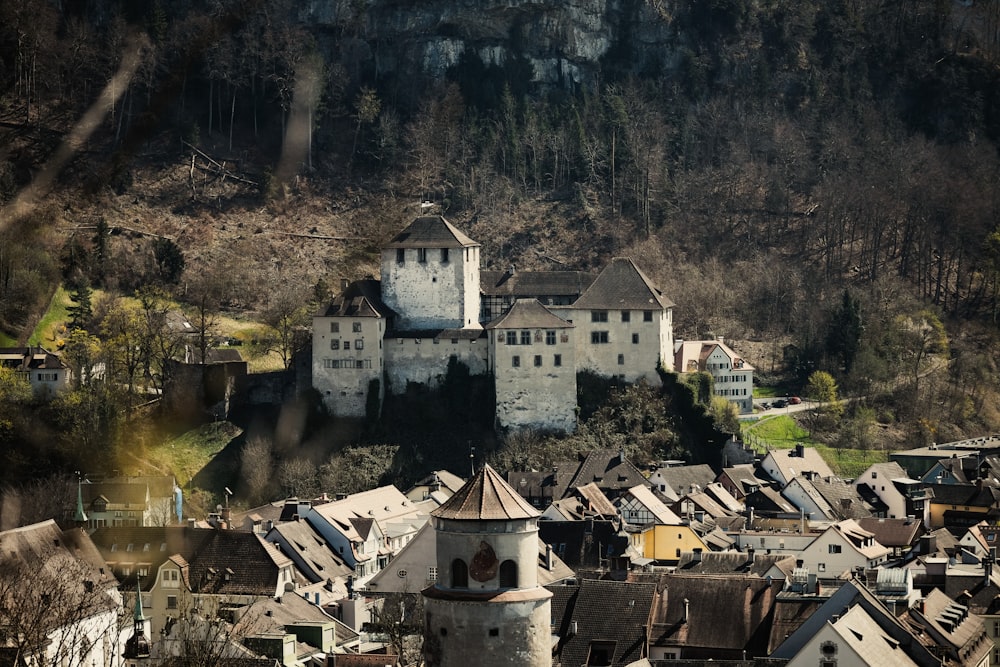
483, 565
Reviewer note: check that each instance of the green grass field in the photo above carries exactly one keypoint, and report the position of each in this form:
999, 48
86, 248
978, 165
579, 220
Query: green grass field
6, 340
783, 432
47, 333
765, 392
187, 455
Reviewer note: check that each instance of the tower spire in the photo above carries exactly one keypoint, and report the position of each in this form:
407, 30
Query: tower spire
80, 517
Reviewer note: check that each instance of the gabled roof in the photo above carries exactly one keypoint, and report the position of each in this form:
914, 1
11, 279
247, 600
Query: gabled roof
728, 614
893, 533
742, 475
844, 499
705, 503
116, 493
586, 544
734, 562
381, 504
486, 496
609, 469
528, 314
789, 462
874, 646
606, 611
321, 561
362, 298
662, 514
623, 285
683, 479
430, 231
860, 539
534, 283
597, 501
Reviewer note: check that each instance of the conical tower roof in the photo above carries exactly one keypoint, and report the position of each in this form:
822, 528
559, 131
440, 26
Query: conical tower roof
486, 496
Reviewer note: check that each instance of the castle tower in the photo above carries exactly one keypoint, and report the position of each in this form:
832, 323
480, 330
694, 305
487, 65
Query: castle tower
430, 276
137, 647
487, 607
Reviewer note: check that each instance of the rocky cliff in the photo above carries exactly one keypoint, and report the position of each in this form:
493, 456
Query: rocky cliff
565, 43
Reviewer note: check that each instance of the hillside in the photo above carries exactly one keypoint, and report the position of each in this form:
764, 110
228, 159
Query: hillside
778, 168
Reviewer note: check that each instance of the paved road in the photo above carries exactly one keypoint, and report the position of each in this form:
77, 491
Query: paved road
788, 409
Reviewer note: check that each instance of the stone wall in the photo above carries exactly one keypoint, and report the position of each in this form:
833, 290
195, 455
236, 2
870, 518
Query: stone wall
632, 349
533, 391
425, 360
429, 293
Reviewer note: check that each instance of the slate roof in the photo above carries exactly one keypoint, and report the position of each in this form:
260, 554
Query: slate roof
743, 476
609, 470
844, 499
362, 298
486, 496
622, 285
705, 503
734, 562
318, 556
381, 504
206, 552
893, 533
529, 314
584, 544
680, 479
604, 610
543, 486
766, 499
964, 635
29, 358
725, 615
115, 493
534, 284
985, 495
430, 231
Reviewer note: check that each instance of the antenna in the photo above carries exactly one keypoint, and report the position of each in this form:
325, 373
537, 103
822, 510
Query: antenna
227, 494
472, 458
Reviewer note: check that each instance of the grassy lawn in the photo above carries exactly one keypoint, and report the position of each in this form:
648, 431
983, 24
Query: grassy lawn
188, 454
7, 341
766, 392
783, 432
47, 332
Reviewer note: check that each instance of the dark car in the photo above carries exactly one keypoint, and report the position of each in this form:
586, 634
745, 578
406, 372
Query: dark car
780, 403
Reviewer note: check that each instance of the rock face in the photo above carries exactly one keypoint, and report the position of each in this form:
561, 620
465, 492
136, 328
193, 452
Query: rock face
565, 42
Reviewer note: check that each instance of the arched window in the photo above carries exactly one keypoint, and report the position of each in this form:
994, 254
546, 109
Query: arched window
459, 574
508, 574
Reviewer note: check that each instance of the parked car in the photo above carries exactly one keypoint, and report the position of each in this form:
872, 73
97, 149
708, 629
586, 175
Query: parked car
780, 403
794, 400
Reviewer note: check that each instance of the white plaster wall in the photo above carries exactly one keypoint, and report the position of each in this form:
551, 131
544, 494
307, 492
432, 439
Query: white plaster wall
519, 545
737, 382
886, 491
458, 633
639, 359
432, 294
426, 361
345, 390
798, 497
535, 396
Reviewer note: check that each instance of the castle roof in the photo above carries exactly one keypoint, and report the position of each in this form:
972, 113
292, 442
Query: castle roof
623, 285
362, 298
430, 231
528, 314
486, 496
534, 283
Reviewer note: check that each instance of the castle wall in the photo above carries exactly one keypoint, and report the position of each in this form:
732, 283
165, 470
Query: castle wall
628, 346
347, 356
429, 291
532, 391
487, 634
425, 360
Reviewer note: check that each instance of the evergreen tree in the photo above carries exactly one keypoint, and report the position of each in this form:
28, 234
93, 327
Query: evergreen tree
844, 336
81, 313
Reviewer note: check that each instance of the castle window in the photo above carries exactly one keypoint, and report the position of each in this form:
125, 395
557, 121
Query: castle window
621, 359
335, 344
525, 338
626, 316
400, 255
444, 255
557, 360
647, 316
422, 255
356, 327
359, 344
635, 339
347, 344
459, 574
550, 337
597, 337
598, 316
515, 361
512, 338
508, 574
334, 327
538, 360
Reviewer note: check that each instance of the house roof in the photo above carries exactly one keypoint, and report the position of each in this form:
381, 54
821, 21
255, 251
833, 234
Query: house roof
766, 499
844, 499
430, 231
705, 503
734, 562
486, 496
696, 352
859, 538
381, 504
743, 476
863, 634
444, 478
962, 633
273, 614
116, 493
607, 611
29, 358
661, 513
529, 314
362, 298
597, 501
727, 613
892, 532
683, 479
585, 544
534, 283
986, 494
790, 464
312, 549
623, 285
215, 561
45, 549
609, 469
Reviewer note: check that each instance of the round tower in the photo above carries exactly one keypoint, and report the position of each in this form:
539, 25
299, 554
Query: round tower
487, 607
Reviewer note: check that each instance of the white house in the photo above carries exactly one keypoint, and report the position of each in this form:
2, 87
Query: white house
639, 507
783, 465
841, 548
732, 376
901, 495
45, 371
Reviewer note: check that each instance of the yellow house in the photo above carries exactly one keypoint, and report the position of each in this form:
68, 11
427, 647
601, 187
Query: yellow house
962, 504
665, 544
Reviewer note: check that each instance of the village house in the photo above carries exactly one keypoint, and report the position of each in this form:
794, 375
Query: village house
843, 548
900, 496
130, 501
783, 465
44, 371
732, 376
533, 333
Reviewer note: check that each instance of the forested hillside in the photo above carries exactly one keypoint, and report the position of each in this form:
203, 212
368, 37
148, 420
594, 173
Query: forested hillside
816, 179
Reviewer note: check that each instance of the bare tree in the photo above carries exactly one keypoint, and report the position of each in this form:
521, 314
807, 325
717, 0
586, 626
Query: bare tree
255, 467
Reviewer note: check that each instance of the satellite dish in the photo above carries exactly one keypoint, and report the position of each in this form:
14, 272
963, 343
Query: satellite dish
228, 491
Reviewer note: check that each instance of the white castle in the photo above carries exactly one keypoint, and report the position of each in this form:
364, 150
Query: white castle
531, 330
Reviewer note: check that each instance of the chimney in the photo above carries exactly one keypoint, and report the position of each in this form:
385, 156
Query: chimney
548, 557
800, 450
751, 554
687, 610
573, 628
350, 587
